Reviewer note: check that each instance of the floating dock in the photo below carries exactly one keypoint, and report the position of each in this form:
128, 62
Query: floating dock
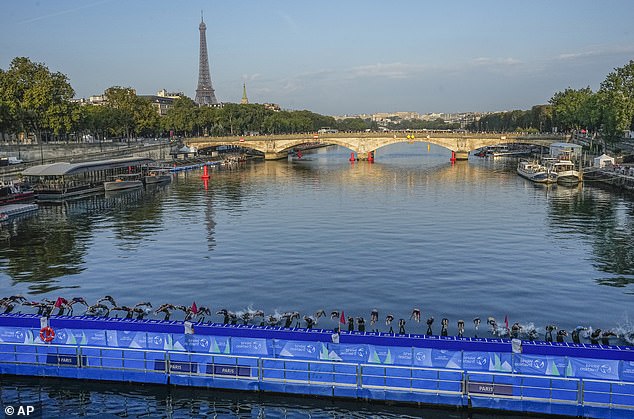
539, 377
10, 211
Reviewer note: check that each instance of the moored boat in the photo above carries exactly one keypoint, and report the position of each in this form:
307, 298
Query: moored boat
536, 172
565, 169
12, 192
157, 175
64, 180
123, 181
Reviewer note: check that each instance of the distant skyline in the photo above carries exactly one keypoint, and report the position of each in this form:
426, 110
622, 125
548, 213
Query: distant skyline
330, 57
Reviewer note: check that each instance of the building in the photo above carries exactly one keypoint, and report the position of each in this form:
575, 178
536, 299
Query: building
163, 101
172, 95
245, 99
272, 107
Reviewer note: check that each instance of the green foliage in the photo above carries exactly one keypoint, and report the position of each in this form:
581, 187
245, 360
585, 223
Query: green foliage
35, 100
353, 124
438, 123
616, 99
539, 118
32, 99
570, 107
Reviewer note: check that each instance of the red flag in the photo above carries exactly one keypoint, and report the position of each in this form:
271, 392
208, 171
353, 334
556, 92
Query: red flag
194, 308
342, 319
59, 302
506, 321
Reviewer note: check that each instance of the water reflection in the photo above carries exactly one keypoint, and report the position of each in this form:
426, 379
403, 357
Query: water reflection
55, 242
597, 218
43, 248
411, 215
69, 398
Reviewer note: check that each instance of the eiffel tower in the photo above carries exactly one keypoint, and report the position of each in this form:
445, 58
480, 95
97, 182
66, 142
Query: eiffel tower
204, 93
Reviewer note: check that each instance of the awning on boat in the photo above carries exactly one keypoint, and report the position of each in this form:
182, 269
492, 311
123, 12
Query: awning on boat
64, 168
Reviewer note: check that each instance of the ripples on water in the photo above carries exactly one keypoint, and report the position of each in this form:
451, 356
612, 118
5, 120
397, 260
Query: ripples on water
66, 398
411, 230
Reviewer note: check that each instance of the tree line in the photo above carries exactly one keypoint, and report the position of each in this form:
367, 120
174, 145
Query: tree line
35, 101
607, 112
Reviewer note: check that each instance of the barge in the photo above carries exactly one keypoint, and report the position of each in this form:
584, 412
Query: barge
509, 375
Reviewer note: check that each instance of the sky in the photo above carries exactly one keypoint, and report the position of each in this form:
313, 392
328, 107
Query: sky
333, 57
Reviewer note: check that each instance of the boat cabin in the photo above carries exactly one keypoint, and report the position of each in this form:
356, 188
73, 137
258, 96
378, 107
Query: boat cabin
65, 180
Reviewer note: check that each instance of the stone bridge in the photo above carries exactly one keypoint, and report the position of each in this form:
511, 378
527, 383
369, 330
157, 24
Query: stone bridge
361, 143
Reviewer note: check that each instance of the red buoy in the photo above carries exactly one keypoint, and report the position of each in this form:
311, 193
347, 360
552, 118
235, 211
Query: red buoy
371, 156
453, 157
205, 174
352, 158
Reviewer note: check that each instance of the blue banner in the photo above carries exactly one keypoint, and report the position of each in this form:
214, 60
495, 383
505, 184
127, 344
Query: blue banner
540, 365
487, 361
422, 357
443, 358
179, 341
249, 346
159, 341
18, 335
389, 355
207, 344
299, 349
437, 358
90, 337
349, 352
127, 339
602, 369
627, 371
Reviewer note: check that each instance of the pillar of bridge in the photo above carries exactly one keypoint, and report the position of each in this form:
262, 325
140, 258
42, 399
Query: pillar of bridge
462, 155
271, 155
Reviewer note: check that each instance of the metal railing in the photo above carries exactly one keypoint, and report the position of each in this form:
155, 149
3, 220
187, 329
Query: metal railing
329, 374
524, 387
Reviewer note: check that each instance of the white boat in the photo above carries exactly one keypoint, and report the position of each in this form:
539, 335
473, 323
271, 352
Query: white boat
158, 175
565, 169
125, 181
536, 172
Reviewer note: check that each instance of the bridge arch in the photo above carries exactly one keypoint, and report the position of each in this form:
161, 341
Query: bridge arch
277, 146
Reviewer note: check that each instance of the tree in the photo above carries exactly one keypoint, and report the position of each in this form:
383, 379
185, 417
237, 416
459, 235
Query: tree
146, 119
124, 101
568, 108
37, 100
182, 117
616, 97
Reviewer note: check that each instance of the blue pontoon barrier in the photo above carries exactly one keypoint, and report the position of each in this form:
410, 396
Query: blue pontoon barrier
554, 378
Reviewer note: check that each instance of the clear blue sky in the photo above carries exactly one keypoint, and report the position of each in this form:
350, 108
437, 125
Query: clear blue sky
332, 57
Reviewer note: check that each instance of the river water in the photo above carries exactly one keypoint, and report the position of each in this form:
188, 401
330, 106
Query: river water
411, 230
